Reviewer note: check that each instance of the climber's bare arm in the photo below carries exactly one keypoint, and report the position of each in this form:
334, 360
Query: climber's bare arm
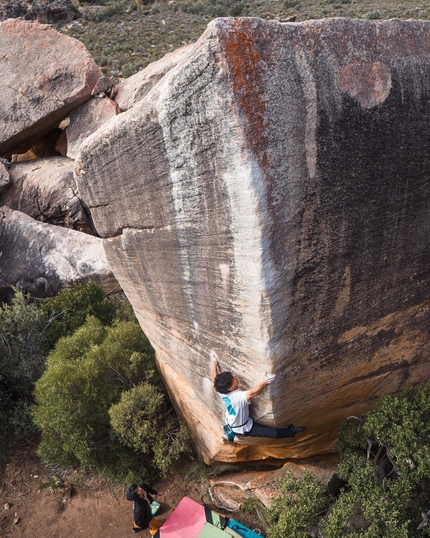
258, 389
215, 366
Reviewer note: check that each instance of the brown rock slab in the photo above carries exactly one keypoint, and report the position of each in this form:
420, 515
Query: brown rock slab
45, 75
42, 259
85, 120
268, 200
44, 189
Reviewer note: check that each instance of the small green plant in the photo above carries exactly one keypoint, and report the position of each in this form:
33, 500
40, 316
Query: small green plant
372, 15
254, 507
68, 310
142, 421
200, 473
295, 510
53, 483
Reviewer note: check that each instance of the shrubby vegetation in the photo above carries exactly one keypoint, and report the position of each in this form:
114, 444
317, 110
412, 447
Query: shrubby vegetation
96, 373
23, 327
124, 37
385, 464
99, 363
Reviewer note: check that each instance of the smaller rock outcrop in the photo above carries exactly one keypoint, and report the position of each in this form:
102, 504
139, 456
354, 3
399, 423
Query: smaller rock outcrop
42, 259
46, 11
230, 491
44, 189
85, 120
45, 75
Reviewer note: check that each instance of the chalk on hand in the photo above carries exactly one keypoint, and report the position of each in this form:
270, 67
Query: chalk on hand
270, 377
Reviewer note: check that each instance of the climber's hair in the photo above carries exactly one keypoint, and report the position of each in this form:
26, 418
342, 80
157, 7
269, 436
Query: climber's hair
223, 382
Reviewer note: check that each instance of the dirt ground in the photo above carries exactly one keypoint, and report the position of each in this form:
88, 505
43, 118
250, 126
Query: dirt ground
86, 506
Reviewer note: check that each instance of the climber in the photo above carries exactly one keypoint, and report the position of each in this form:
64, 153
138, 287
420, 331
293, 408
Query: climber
237, 403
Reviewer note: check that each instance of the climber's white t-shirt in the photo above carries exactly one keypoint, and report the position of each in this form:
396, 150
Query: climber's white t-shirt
237, 411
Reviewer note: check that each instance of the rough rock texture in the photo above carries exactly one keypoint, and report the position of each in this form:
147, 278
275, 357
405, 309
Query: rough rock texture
86, 119
4, 178
47, 11
44, 190
42, 259
133, 89
45, 75
269, 200
229, 492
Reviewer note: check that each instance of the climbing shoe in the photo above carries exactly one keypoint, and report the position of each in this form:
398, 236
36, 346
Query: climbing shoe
136, 530
298, 429
227, 441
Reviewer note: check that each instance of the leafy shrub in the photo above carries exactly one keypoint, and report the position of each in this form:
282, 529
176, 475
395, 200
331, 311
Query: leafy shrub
95, 368
85, 375
141, 420
22, 361
214, 8
53, 483
128, 70
385, 463
294, 511
68, 310
372, 15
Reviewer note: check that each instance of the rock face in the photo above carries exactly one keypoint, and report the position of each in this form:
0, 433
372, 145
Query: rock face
269, 200
47, 11
85, 120
45, 75
44, 190
229, 492
133, 89
42, 259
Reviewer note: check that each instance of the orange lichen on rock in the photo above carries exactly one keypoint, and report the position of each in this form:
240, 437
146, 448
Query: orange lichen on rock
248, 62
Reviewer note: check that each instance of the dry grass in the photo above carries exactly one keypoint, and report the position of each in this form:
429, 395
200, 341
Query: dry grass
124, 37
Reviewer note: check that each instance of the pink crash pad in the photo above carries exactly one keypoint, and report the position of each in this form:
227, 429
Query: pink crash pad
186, 521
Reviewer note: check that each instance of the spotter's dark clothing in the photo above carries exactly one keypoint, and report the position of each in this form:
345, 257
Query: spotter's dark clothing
141, 507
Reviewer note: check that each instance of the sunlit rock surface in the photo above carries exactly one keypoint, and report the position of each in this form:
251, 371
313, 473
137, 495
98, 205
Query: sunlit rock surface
44, 190
269, 200
42, 259
45, 75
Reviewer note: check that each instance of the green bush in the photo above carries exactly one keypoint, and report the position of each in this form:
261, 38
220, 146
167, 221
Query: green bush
141, 420
294, 511
22, 326
85, 375
385, 464
95, 368
68, 310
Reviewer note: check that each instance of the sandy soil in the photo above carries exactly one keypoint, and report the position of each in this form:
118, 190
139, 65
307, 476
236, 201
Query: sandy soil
87, 506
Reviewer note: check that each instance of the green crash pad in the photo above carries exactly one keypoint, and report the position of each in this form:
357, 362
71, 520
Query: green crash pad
210, 531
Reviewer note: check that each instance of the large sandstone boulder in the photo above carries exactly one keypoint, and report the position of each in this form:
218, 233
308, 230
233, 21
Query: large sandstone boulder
42, 259
268, 200
44, 189
45, 75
